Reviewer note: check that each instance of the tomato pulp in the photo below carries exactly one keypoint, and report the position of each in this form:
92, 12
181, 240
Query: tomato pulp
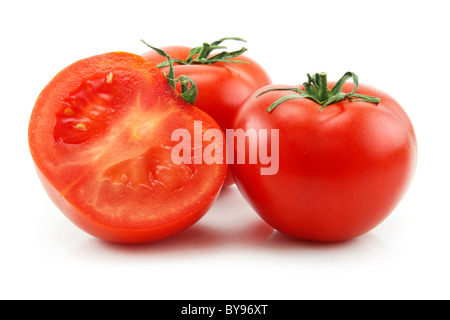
100, 135
342, 169
222, 87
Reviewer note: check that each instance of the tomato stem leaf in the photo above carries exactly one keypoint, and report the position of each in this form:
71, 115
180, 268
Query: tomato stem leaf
316, 89
202, 54
189, 90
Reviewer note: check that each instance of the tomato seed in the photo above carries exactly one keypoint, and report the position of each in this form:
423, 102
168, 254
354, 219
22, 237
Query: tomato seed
109, 78
68, 112
81, 126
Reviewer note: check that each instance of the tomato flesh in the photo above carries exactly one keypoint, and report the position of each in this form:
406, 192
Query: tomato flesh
100, 136
85, 110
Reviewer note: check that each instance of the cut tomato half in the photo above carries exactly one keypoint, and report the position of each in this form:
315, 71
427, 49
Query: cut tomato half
101, 138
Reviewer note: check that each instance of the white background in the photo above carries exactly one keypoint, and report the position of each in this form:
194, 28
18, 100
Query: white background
398, 46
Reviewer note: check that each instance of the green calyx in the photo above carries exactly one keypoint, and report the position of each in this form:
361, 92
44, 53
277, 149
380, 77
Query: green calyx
202, 55
316, 89
189, 90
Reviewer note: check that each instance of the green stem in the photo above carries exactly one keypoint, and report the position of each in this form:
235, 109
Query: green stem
316, 89
203, 54
189, 90
322, 82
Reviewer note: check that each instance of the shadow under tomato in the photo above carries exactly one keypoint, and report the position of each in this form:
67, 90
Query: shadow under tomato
363, 249
279, 240
198, 238
232, 223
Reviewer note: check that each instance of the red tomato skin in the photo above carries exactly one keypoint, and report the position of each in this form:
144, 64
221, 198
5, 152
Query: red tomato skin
342, 170
222, 87
42, 145
120, 235
175, 52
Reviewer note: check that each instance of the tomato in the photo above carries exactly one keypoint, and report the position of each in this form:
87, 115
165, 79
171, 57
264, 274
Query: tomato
342, 167
100, 135
222, 86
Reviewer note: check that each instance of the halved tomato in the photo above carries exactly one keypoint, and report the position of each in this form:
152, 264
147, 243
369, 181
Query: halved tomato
101, 138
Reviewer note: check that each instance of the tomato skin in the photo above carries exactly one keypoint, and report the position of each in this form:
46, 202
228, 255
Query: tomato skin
95, 179
120, 235
342, 170
175, 52
222, 87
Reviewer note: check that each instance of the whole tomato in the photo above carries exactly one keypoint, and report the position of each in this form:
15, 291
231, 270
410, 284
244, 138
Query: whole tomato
224, 80
344, 159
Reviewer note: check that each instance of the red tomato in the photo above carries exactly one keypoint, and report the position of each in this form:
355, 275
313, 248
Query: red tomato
222, 87
342, 169
100, 136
